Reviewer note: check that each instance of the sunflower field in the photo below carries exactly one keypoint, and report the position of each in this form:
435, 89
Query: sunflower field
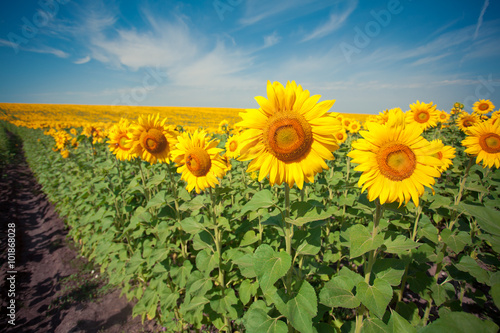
288, 217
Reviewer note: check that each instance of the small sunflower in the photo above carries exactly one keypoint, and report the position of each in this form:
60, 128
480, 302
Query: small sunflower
483, 141
346, 122
198, 160
423, 114
465, 120
151, 139
290, 136
340, 136
119, 141
483, 106
232, 146
443, 116
397, 162
354, 127
445, 154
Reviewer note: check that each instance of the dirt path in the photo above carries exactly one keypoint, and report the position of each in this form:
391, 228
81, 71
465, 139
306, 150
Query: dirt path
55, 290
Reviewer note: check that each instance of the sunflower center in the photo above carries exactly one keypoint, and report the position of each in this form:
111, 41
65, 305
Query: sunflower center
483, 106
288, 136
233, 145
422, 116
340, 136
198, 161
490, 143
396, 161
468, 123
154, 141
121, 142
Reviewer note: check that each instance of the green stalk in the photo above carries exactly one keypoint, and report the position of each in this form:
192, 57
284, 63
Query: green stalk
146, 190
173, 189
288, 245
460, 191
218, 247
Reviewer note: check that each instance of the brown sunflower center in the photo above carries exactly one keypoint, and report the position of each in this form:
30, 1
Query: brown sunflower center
490, 143
198, 161
340, 136
233, 145
121, 142
396, 161
422, 116
288, 136
154, 141
468, 123
483, 106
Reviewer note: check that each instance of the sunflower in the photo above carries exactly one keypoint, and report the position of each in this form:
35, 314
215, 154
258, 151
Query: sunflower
443, 116
354, 127
289, 136
465, 120
119, 141
483, 106
232, 146
495, 116
423, 114
340, 136
198, 160
397, 162
346, 122
223, 126
483, 141
151, 139
445, 154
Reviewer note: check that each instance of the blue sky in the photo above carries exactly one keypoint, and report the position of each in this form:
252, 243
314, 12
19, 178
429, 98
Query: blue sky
367, 55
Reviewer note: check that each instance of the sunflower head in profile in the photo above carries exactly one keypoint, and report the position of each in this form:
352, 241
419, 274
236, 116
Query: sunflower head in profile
483, 106
151, 139
465, 120
483, 141
119, 140
397, 162
445, 154
198, 160
232, 146
422, 114
290, 136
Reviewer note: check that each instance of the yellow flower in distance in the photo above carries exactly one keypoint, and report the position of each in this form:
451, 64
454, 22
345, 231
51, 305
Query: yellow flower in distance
445, 154
290, 136
119, 141
465, 120
198, 160
397, 162
483, 106
423, 114
151, 139
232, 146
354, 127
443, 116
483, 141
341, 136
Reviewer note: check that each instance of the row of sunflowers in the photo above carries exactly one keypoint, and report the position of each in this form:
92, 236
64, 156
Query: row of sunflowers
206, 229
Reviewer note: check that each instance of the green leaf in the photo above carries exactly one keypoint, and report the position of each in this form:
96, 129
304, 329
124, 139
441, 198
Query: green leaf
245, 263
270, 266
376, 297
495, 294
249, 238
198, 285
427, 229
455, 240
311, 216
192, 225
206, 261
469, 265
157, 179
257, 321
302, 308
262, 199
390, 270
375, 325
194, 305
398, 244
399, 324
157, 200
310, 241
353, 276
460, 322
488, 218
194, 204
246, 291
338, 292
442, 292
361, 240
223, 304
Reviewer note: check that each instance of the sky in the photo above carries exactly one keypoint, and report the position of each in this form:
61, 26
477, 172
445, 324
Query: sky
367, 55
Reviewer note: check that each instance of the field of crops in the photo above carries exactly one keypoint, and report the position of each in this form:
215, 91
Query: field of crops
285, 218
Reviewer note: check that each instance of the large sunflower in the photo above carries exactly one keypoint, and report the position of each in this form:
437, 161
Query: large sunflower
151, 139
465, 121
422, 114
289, 136
483, 141
397, 162
198, 160
119, 141
483, 106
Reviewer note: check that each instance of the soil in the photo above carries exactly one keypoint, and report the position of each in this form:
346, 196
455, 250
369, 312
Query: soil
56, 290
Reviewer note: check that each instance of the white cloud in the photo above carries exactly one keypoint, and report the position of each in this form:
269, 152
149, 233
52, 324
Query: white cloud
271, 39
335, 21
480, 19
82, 60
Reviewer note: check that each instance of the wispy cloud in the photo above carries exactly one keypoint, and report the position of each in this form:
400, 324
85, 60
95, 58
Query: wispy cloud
271, 39
82, 60
480, 19
335, 21
36, 49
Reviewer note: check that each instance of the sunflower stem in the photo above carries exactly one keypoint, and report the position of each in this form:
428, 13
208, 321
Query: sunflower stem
288, 244
146, 190
173, 189
373, 253
462, 183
